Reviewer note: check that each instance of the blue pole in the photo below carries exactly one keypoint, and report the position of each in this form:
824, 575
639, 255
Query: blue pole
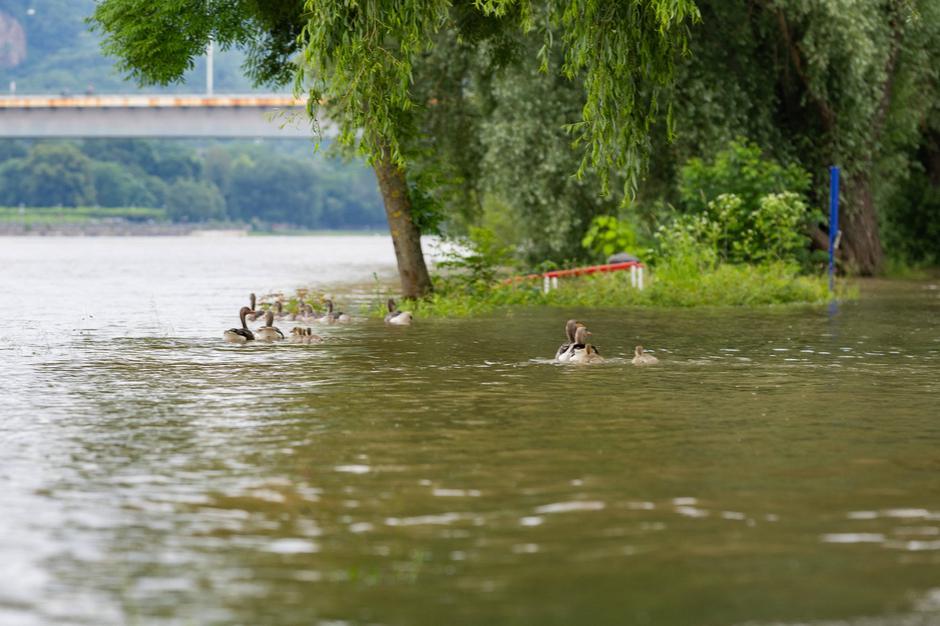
833, 222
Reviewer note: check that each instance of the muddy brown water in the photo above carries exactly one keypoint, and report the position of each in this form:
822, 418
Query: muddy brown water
781, 466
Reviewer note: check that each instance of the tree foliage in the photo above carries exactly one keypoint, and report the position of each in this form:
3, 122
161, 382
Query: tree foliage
361, 59
266, 184
817, 84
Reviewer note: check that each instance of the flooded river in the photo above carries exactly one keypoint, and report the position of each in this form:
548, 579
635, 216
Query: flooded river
781, 466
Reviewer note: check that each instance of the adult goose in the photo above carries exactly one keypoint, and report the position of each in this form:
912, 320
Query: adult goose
269, 332
255, 314
396, 317
331, 316
582, 351
310, 315
563, 353
642, 358
240, 335
279, 312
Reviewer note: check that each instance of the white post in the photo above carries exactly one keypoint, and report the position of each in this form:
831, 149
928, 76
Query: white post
554, 282
546, 284
640, 277
633, 275
209, 72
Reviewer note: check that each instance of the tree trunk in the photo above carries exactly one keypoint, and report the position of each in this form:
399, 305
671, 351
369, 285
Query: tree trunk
860, 247
415, 281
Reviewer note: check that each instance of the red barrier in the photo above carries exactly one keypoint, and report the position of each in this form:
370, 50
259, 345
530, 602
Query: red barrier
551, 278
592, 269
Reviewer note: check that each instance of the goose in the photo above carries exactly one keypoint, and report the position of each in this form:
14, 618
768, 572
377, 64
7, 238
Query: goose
269, 332
581, 351
255, 313
564, 350
309, 337
330, 316
279, 310
310, 315
240, 335
642, 358
396, 317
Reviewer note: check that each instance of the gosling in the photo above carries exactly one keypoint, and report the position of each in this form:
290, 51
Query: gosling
642, 358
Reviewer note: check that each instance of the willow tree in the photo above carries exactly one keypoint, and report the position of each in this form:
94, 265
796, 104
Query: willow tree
360, 61
818, 83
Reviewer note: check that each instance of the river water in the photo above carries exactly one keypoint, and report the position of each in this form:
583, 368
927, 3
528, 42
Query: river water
781, 466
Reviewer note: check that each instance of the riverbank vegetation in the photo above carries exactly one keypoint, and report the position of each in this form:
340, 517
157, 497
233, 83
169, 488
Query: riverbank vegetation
738, 236
531, 123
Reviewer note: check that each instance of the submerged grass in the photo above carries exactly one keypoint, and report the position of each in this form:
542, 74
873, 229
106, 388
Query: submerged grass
724, 285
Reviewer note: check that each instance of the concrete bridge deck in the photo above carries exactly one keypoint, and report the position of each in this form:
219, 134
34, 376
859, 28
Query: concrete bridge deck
154, 115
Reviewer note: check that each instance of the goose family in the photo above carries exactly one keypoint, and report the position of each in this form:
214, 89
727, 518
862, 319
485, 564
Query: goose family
268, 332
396, 317
578, 350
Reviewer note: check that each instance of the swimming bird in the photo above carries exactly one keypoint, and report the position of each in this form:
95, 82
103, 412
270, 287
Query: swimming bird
642, 358
240, 335
310, 315
396, 317
279, 310
300, 314
581, 351
330, 316
255, 313
299, 334
564, 350
269, 332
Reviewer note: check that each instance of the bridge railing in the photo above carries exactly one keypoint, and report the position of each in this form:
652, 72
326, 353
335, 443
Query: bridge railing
143, 101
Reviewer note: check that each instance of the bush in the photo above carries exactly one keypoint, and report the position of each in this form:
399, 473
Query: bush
607, 235
742, 170
757, 206
474, 263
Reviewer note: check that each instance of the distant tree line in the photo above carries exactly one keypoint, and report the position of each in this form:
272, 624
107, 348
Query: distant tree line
269, 183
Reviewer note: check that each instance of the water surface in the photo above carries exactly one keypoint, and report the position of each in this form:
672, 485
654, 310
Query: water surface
781, 466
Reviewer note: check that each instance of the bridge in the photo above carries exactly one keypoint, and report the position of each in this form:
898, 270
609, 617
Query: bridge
153, 115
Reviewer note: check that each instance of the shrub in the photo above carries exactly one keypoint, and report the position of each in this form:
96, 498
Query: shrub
474, 262
757, 205
742, 170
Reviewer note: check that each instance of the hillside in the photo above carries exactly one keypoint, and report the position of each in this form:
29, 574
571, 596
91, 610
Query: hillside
47, 47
